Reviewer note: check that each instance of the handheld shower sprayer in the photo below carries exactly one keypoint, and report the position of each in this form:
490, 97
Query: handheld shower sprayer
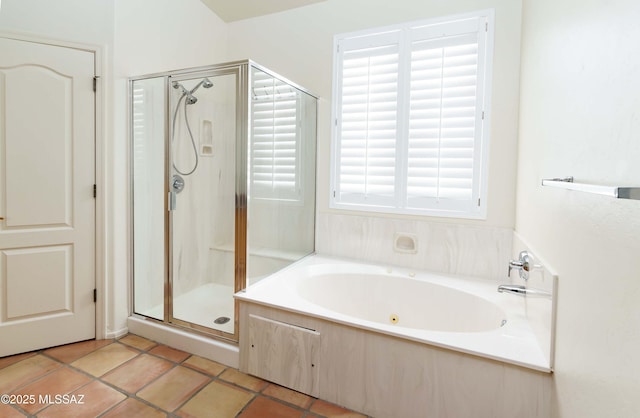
189, 99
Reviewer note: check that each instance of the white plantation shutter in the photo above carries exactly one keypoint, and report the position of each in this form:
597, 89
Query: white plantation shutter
368, 124
410, 135
275, 145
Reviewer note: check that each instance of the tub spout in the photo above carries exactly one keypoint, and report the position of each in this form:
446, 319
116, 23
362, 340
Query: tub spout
523, 291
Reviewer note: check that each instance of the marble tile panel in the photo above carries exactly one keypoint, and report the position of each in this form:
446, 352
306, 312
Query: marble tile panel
440, 247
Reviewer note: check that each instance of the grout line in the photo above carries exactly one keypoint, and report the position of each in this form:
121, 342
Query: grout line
306, 412
190, 397
246, 405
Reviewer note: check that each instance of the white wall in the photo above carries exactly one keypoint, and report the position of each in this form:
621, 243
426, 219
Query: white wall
299, 45
86, 21
579, 116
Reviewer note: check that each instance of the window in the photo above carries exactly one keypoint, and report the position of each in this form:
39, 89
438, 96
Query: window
275, 139
411, 112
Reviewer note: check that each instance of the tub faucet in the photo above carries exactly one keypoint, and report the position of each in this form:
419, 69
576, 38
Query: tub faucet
523, 291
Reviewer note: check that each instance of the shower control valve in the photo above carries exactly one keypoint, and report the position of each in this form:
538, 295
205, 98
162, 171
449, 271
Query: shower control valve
177, 183
523, 264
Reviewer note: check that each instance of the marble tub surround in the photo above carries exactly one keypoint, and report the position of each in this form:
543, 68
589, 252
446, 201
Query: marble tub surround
460, 313
349, 356
384, 376
541, 312
440, 247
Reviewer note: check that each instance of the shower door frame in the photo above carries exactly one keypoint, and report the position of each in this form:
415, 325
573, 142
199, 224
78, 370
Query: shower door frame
241, 70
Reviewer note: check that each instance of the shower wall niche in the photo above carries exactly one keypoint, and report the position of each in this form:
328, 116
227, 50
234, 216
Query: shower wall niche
223, 189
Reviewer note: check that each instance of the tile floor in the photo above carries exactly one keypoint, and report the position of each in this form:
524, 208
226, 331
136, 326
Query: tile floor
137, 378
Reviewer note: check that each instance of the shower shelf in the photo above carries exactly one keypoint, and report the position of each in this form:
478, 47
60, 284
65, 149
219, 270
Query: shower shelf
263, 252
632, 193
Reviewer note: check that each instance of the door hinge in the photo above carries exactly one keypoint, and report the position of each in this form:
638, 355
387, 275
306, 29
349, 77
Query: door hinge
478, 202
95, 191
95, 83
95, 295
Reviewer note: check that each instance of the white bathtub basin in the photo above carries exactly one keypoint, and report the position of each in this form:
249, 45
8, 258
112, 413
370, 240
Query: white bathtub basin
401, 301
463, 314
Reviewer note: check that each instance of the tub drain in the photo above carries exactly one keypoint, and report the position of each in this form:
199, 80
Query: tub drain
222, 320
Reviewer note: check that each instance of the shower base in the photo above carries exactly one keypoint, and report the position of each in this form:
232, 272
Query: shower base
202, 306
220, 351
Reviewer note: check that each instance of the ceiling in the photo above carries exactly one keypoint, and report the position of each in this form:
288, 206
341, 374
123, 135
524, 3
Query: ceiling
232, 10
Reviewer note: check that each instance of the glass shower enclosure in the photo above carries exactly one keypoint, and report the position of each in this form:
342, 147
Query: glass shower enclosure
223, 189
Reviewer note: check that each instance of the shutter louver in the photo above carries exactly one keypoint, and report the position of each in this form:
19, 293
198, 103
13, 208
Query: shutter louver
274, 138
140, 126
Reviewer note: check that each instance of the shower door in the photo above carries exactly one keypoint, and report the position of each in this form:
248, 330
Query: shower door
188, 194
202, 171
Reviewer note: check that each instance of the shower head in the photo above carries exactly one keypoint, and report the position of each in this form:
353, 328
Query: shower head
205, 82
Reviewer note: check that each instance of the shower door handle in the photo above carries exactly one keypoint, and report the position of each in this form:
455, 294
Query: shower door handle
172, 201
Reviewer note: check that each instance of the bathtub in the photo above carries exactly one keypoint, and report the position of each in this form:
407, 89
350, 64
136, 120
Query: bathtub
457, 313
391, 342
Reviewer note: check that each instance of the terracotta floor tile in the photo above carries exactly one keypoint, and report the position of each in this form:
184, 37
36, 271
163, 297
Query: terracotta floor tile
72, 352
135, 374
134, 409
137, 342
329, 410
23, 372
9, 360
169, 353
107, 358
173, 388
59, 382
287, 395
206, 366
216, 400
262, 407
92, 400
195, 388
244, 380
6, 411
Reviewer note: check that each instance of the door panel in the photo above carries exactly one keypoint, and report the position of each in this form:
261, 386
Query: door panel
47, 172
41, 276
43, 144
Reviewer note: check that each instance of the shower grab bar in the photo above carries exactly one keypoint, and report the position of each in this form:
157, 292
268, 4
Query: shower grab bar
632, 193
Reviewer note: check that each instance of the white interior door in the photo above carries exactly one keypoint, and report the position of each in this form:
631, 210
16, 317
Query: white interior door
47, 175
